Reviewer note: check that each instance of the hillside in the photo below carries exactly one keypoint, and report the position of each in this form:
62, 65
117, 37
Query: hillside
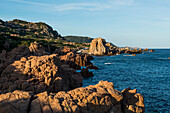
19, 32
78, 39
26, 29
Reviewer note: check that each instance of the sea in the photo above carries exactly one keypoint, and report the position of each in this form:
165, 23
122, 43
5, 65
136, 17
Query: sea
149, 73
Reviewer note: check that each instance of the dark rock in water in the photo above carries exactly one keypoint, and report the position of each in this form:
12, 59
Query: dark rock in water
146, 49
92, 67
135, 51
152, 50
85, 73
99, 98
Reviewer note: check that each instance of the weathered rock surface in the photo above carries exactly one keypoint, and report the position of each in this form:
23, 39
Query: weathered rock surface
39, 74
77, 60
63, 51
133, 102
100, 98
99, 46
37, 49
7, 58
15, 102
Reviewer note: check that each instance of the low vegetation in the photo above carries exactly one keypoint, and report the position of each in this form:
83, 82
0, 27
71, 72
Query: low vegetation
18, 32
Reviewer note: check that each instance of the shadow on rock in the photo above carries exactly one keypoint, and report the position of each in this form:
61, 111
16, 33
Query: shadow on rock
39, 74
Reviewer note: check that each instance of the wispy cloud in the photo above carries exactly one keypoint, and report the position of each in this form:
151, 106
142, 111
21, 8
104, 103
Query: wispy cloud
167, 19
110, 4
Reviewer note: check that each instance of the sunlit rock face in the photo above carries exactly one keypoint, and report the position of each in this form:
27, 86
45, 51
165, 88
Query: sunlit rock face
99, 98
39, 74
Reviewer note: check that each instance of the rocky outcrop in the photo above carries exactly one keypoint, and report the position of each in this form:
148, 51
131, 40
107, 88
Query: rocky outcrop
39, 74
133, 102
63, 51
77, 60
99, 46
152, 50
6, 58
100, 98
85, 73
37, 49
15, 102
146, 49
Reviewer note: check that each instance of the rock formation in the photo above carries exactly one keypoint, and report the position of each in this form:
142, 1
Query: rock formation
152, 50
77, 60
7, 58
37, 49
85, 73
38, 74
99, 46
63, 51
100, 98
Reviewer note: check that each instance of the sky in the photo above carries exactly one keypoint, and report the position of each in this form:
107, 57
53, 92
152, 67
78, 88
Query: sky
134, 23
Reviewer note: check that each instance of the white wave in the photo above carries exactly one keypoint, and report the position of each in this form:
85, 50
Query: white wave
128, 55
108, 63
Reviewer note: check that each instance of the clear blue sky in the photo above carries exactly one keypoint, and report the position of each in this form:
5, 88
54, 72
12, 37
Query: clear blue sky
141, 23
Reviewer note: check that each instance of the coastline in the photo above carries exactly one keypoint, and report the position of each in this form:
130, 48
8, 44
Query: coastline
34, 92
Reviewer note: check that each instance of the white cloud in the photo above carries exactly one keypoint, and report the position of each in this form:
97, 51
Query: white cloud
110, 4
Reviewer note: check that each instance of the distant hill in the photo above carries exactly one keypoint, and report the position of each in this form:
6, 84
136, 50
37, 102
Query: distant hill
78, 39
27, 30
19, 32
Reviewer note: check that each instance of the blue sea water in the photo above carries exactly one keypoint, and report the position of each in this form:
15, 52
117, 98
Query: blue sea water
149, 73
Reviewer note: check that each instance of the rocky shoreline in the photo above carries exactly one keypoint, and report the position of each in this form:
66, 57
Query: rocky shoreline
34, 81
100, 98
38, 73
99, 47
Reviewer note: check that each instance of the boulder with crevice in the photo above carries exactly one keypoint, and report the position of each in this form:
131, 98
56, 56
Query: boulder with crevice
39, 74
99, 98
